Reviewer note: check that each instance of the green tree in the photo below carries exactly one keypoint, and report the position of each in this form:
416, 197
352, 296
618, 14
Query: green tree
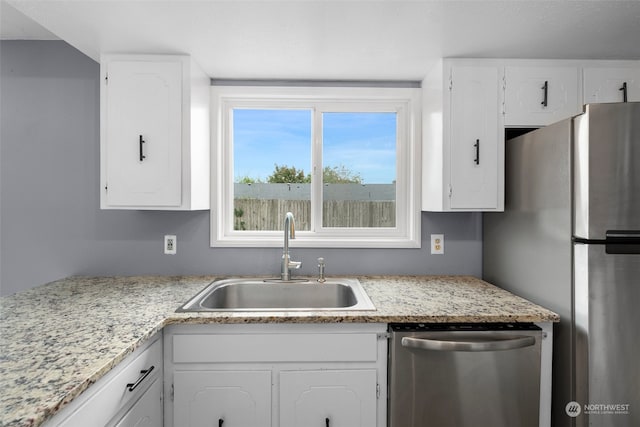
340, 175
291, 175
248, 180
238, 223
288, 175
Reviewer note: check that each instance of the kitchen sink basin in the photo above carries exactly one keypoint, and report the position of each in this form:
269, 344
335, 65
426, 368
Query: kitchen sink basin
242, 294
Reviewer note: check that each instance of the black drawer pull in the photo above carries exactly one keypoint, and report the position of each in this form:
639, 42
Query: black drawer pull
220, 422
141, 141
545, 88
624, 91
143, 374
326, 420
477, 145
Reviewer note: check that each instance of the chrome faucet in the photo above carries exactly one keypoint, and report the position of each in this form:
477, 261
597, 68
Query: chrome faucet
287, 264
321, 278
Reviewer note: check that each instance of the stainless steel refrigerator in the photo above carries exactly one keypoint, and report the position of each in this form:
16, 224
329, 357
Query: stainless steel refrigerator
569, 240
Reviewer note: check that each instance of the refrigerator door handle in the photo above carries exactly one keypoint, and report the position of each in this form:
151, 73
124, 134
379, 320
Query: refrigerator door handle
619, 242
494, 342
616, 235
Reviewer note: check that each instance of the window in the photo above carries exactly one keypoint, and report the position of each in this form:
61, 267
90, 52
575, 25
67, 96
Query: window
344, 161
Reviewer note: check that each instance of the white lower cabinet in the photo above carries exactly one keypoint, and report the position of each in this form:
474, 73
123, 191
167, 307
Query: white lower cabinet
222, 398
342, 398
147, 411
130, 395
272, 375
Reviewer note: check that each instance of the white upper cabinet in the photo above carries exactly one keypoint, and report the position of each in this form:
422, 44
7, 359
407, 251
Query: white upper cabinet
154, 133
538, 96
463, 138
467, 103
143, 133
475, 138
612, 84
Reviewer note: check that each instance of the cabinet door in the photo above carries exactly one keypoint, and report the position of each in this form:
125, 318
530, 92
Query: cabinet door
475, 135
328, 398
538, 96
143, 133
608, 84
228, 398
147, 411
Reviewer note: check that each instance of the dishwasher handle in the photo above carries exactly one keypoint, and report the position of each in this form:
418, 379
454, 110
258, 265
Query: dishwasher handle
492, 342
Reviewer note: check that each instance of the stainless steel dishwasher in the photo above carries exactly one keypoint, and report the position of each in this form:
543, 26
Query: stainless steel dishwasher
464, 375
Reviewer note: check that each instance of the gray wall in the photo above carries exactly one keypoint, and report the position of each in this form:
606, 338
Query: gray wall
51, 225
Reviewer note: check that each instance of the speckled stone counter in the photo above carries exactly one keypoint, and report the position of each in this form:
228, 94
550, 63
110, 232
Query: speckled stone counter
58, 339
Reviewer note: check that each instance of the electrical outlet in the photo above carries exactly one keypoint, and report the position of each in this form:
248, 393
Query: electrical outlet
170, 244
437, 244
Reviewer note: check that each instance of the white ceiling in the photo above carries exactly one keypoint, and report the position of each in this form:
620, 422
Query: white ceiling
335, 40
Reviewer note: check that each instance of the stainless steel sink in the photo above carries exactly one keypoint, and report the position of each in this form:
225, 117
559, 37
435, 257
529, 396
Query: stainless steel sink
242, 294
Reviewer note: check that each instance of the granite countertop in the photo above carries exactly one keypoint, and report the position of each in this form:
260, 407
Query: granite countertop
58, 339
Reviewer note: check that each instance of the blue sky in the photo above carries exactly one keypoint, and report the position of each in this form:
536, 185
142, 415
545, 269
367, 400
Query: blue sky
363, 142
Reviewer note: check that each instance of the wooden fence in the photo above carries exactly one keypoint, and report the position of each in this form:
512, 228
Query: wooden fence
268, 214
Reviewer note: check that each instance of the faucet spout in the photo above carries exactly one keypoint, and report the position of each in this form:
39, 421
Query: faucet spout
289, 232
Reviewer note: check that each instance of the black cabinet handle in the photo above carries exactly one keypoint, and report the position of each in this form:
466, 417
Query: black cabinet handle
477, 145
326, 420
545, 88
142, 156
624, 91
220, 422
144, 374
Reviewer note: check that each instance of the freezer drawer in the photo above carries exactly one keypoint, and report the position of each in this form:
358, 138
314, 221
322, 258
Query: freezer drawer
607, 315
464, 375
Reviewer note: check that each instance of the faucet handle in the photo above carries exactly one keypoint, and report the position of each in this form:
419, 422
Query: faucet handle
295, 264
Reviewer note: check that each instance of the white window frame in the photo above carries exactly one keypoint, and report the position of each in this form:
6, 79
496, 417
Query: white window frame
406, 102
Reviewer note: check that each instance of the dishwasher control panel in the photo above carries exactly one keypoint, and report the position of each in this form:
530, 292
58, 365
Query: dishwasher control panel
435, 327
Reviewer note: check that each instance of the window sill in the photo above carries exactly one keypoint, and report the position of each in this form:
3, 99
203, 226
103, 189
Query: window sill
301, 241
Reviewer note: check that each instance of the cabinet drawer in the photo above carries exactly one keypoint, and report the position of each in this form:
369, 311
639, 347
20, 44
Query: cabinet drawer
113, 394
147, 411
200, 348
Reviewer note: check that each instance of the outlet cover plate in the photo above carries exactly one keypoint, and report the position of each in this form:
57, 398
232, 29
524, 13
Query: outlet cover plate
170, 244
437, 244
